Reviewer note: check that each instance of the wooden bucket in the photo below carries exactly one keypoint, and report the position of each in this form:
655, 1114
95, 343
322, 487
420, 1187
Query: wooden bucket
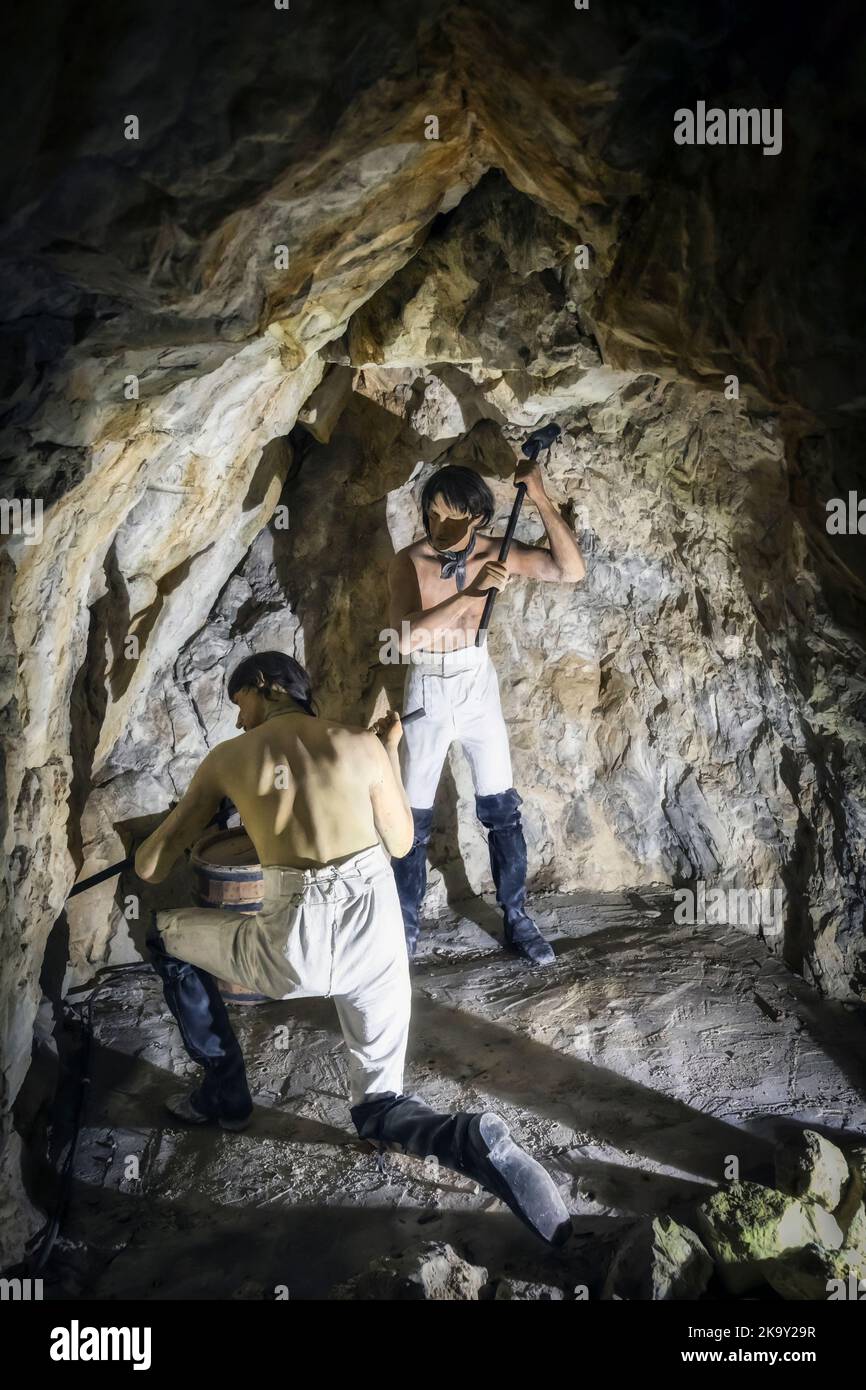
228, 876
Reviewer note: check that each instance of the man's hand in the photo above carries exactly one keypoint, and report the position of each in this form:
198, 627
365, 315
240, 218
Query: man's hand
529, 472
492, 575
389, 730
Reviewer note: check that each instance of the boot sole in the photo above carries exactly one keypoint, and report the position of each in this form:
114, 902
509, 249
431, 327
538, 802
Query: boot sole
525, 1186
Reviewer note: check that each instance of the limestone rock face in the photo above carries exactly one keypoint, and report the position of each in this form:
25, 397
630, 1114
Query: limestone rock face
287, 239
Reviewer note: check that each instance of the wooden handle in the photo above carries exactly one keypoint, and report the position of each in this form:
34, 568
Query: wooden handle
226, 808
503, 556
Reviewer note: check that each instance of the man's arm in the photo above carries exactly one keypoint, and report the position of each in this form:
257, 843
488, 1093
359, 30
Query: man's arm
563, 562
182, 826
392, 814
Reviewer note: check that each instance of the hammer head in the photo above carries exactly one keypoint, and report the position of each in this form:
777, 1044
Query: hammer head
541, 439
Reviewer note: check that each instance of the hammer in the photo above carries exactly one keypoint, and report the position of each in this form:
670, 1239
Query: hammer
221, 819
538, 440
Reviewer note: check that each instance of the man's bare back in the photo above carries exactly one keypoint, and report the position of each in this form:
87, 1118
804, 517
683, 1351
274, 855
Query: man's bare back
309, 792
304, 788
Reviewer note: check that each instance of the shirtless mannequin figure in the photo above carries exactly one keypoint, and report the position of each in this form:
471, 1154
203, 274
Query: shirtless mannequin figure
437, 588
318, 799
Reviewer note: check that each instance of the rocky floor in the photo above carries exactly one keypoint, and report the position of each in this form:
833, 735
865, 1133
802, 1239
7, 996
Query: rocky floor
636, 1067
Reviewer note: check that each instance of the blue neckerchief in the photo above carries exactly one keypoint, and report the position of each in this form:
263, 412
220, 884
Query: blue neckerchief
454, 562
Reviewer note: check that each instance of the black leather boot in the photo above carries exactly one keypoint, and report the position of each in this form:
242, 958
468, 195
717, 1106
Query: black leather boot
194, 999
411, 875
477, 1145
500, 815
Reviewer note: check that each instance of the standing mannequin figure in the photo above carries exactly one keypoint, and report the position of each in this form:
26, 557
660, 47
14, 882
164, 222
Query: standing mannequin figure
438, 587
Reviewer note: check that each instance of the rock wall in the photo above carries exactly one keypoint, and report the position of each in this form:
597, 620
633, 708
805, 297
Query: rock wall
283, 223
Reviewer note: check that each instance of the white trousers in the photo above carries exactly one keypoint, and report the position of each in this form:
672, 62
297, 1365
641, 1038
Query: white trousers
335, 932
460, 693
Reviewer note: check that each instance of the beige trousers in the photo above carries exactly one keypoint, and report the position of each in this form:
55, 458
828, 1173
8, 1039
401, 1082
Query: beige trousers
335, 932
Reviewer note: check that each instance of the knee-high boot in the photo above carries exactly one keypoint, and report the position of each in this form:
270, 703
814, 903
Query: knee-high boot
194, 999
477, 1145
500, 815
411, 875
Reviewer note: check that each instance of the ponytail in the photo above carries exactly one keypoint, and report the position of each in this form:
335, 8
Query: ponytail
275, 675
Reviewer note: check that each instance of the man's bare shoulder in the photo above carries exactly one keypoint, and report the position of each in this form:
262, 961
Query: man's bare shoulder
352, 732
405, 559
355, 742
228, 753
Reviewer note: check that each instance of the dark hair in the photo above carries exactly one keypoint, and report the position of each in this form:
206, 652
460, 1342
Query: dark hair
274, 674
460, 487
